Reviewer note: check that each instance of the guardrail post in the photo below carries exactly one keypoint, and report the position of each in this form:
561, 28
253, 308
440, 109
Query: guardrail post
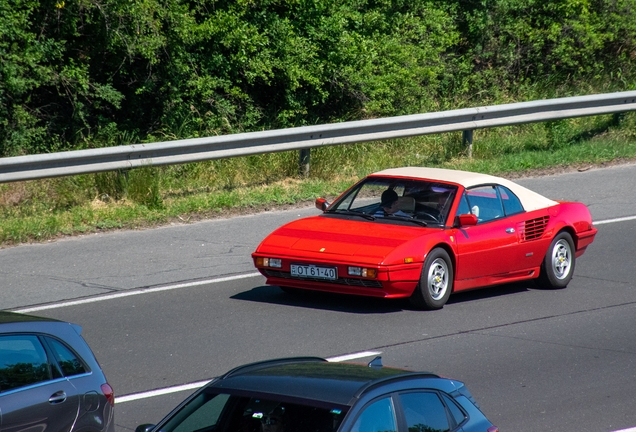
467, 140
303, 163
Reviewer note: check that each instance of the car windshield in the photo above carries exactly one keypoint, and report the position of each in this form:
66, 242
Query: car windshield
385, 198
224, 412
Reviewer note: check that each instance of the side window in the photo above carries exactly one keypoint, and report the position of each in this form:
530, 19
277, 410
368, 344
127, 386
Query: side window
377, 417
455, 410
463, 206
511, 203
23, 362
485, 203
424, 412
68, 361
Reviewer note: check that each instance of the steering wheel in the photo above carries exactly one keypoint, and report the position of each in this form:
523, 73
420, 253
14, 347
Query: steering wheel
429, 215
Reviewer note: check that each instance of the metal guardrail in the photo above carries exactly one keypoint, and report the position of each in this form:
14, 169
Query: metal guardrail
303, 138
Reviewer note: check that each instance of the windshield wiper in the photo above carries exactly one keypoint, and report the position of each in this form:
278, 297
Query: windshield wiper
352, 213
408, 219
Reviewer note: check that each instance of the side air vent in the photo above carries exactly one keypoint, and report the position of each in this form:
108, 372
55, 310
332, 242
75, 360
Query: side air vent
534, 228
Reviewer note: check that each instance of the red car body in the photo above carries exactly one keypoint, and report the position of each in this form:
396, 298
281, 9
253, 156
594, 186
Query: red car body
533, 237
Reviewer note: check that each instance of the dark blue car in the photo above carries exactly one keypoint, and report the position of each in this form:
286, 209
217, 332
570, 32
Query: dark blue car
313, 395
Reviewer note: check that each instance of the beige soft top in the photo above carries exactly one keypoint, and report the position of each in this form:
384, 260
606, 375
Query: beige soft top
529, 199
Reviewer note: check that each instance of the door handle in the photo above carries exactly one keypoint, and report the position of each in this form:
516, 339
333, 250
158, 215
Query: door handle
57, 397
510, 230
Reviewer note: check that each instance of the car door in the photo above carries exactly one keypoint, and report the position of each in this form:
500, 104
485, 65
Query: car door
33, 393
491, 247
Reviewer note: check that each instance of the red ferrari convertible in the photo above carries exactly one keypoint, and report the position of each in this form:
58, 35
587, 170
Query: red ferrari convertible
424, 233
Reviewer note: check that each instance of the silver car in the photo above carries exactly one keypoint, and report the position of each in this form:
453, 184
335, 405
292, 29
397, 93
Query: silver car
49, 378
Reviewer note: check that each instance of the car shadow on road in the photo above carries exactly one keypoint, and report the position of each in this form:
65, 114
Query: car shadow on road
322, 300
367, 305
491, 292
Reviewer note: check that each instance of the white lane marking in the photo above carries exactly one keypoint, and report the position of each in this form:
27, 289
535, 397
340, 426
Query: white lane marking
627, 430
606, 221
133, 292
159, 392
196, 385
354, 356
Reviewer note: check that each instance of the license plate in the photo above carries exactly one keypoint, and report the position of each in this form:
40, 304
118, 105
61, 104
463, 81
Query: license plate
311, 271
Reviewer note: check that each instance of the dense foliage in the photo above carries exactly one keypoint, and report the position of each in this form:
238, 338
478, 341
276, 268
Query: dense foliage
86, 73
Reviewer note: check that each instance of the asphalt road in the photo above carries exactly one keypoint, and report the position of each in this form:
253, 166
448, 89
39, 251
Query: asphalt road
562, 360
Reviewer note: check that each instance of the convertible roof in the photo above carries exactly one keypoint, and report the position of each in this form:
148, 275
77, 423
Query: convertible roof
529, 199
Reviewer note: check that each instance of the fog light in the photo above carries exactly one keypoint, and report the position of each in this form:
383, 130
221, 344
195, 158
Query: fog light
363, 272
269, 262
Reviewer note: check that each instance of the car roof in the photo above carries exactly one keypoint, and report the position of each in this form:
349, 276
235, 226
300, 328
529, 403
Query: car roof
7, 317
311, 378
529, 199
17, 322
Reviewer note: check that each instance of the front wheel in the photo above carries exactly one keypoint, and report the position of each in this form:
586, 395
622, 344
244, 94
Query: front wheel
436, 281
557, 268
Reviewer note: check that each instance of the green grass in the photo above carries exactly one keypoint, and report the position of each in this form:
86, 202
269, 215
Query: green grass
46, 209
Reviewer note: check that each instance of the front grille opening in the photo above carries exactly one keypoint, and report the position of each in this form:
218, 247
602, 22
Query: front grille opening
340, 281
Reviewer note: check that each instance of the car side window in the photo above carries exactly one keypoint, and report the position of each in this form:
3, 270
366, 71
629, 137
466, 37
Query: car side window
463, 207
485, 203
377, 417
512, 204
455, 410
68, 361
424, 412
23, 362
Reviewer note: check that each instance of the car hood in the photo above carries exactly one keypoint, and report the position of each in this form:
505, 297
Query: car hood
341, 237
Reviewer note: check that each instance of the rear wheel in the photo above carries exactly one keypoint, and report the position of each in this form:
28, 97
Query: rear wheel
558, 265
436, 281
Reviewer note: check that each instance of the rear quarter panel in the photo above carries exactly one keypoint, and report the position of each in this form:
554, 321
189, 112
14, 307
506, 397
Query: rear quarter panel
574, 217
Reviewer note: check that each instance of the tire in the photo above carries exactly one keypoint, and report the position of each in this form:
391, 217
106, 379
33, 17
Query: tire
436, 281
557, 268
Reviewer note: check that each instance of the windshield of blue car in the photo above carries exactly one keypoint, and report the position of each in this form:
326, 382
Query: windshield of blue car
225, 412
421, 200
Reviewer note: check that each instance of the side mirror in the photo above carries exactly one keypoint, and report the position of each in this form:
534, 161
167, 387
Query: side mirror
144, 428
321, 204
467, 220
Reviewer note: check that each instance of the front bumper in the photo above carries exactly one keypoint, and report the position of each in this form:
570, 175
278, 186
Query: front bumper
391, 282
